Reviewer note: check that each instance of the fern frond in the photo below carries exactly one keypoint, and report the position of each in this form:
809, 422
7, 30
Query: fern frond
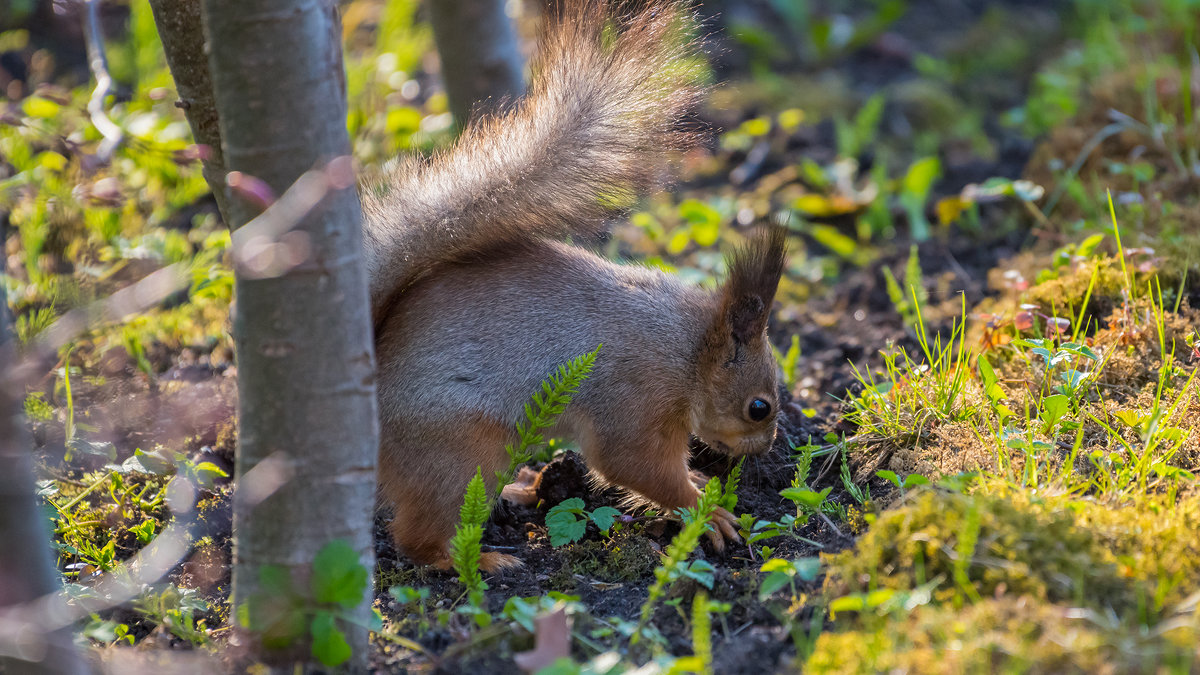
475, 508
803, 464
729, 496
860, 494
465, 545
464, 555
702, 632
543, 408
679, 549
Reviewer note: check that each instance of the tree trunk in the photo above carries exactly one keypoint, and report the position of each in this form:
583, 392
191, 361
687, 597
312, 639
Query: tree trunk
26, 567
304, 339
181, 30
481, 59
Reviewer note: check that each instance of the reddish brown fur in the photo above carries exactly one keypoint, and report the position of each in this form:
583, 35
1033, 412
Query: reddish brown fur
589, 133
475, 303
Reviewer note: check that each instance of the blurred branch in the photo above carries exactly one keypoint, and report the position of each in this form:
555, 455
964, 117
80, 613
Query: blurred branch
27, 572
98, 62
181, 29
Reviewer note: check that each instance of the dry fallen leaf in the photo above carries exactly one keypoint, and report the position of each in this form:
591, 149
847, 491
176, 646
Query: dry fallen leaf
551, 639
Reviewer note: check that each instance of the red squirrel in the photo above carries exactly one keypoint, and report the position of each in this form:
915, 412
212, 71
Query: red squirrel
476, 298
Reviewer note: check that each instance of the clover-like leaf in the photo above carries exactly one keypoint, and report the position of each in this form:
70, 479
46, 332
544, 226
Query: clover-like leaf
564, 527
328, 641
603, 517
338, 576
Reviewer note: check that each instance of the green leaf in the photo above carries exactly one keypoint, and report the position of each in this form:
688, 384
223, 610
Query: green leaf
94, 448
921, 176
329, 644
804, 497
1131, 418
603, 518
776, 565
807, 568
275, 579
700, 570
153, 464
565, 527
1088, 246
773, 582
1081, 350
829, 237
572, 505
889, 476
1053, 409
338, 576
866, 122
279, 621
704, 221
847, 603
878, 597
991, 386
914, 479
43, 108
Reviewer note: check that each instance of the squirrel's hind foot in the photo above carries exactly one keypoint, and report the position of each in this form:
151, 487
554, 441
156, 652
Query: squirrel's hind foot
494, 562
490, 562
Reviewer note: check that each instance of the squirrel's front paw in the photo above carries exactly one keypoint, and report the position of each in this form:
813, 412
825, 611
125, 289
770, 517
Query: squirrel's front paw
724, 526
724, 523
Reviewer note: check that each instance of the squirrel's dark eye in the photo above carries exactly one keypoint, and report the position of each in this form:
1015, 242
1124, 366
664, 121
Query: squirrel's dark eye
759, 409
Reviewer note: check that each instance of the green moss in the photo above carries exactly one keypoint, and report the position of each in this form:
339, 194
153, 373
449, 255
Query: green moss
1132, 559
419, 575
1006, 635
1064, 295
1023, 548
621, 558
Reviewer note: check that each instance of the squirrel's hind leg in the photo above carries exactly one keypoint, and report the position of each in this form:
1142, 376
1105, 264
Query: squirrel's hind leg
423, 474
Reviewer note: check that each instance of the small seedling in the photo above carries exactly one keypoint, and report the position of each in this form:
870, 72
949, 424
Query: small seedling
283, 611
862, 495
789, 362
782, 573
543, 410
567, 521
675, 564
465, 546
910, 481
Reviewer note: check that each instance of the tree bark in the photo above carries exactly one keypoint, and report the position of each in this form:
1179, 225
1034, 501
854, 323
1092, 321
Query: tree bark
27, 572
181, 30
481, 59
304, 339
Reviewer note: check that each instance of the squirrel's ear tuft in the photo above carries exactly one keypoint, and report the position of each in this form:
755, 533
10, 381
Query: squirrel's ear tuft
754, 272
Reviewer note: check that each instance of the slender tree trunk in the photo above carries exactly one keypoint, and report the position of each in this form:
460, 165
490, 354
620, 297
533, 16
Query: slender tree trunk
27, 571
481, 59
181, 29
304, 339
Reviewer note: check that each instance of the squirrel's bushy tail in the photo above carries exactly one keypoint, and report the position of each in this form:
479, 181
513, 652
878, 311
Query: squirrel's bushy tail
606, 98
